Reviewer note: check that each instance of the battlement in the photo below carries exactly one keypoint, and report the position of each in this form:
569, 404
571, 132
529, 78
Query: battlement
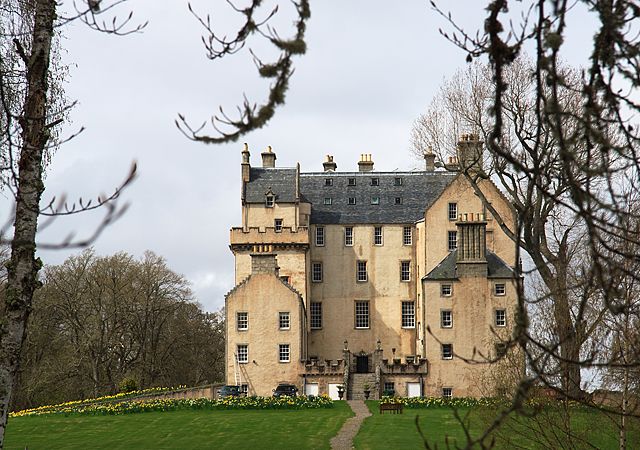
269, 235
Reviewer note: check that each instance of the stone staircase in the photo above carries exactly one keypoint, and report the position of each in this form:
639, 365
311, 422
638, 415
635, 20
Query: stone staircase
356, 386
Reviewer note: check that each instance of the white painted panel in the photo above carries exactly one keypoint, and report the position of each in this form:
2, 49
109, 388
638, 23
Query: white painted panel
413, 390
311, 389
333, 391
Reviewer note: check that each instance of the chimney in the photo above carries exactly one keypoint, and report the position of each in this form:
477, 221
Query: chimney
263, 260
268, 158
470, 153
246, 165
471, 258
365, 164
429, 160
329, 165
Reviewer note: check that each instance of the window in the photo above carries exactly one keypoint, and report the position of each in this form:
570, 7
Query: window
242, 353
406, 236
408, 314
361, 271
405, 270
446, 290
319, 236
500, 289
327, 200
447, 392
362, 314
447, 351
375, 182
453, 211
389, 388
244, 389
397, 181
283, 353
284, 320
285, 278
328, 182
397, 201
242, 320
316, 315
316, 272
270, 201
501, 349
352, 200
351, 181
452, 240
377, 235
375, 200
446, 318
277, 224
501, 317
348, 236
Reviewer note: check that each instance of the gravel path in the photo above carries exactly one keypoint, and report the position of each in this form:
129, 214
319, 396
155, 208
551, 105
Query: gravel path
344, 438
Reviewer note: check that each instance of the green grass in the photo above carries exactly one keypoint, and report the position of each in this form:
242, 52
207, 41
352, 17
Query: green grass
440, 426
191, 429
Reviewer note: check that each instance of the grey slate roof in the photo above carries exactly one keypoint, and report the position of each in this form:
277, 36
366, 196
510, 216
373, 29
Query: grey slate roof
281, 181
446, 270
417, 191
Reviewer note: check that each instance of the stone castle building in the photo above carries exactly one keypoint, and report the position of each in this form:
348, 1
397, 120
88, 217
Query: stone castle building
378, 280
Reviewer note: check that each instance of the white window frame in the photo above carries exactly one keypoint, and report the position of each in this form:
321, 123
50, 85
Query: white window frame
240, 321
378, 236
327, 201
444, 287
244, 389
348, 236
277, 225
284, 353
446, 318
452, 240
242, 352
361, 271
315, 315
351, 201
328, 181
397, 181
317, 272
320, 237
284, 320
375, 181
375, 200
407, 235
500, 289
408, 314
500, 321
397, 201
448, 354
447, 392
452, 211
389, 386
270, 201
351, 181
405, 271
361, 315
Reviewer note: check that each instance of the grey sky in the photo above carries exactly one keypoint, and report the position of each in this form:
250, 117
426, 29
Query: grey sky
370, 69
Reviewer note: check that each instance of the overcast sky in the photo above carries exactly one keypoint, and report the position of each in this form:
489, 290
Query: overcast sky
371, 68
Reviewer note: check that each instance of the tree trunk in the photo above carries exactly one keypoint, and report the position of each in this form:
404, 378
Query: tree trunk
23, 267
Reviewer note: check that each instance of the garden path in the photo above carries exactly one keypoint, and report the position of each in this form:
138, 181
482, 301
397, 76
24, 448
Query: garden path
344, 438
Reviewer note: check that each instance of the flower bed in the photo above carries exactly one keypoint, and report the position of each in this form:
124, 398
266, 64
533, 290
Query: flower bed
440, 402
128, 407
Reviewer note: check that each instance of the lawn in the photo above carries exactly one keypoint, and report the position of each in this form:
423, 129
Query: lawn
192, 429
440, 426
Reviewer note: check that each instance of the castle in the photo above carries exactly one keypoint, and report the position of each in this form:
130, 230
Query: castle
369, 281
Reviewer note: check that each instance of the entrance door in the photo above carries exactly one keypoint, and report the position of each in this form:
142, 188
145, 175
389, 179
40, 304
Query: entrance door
333, 391
413, 390
362, 364
311, 389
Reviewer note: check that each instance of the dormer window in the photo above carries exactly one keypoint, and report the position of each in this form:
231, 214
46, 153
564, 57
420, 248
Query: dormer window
270, 201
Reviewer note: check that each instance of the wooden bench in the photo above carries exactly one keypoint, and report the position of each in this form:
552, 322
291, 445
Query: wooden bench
396, 408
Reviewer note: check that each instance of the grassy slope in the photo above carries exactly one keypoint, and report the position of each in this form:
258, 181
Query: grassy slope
438, 424
200, 429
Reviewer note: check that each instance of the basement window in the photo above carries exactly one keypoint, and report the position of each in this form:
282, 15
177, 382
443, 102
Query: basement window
447, 392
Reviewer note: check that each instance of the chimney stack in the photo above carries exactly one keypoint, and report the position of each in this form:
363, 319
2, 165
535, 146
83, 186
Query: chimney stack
268, 158
329, 165
365, 164
471, 258
263, 260
246, 165
470, 153
429, 160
